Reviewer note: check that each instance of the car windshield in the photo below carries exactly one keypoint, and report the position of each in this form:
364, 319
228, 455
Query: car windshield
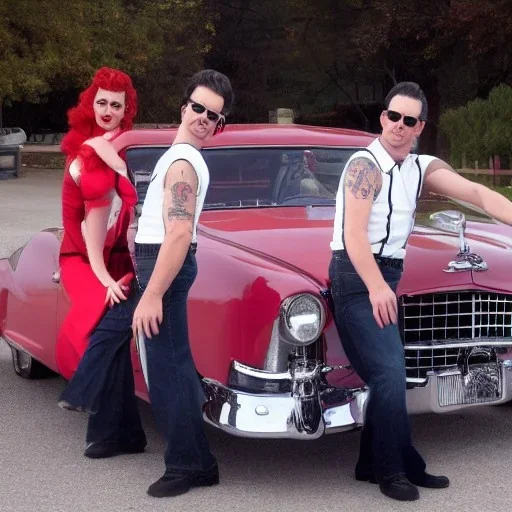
432, 203
258, 177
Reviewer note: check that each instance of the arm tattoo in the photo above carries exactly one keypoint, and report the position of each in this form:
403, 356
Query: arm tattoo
180, 193
363, 178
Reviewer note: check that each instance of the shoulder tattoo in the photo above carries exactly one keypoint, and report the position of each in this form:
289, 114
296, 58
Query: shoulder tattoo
180, 193
363, 179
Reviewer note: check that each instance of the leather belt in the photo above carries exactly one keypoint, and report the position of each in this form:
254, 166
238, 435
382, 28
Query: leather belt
389, 262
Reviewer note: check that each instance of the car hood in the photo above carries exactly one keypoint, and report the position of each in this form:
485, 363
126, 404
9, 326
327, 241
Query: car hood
299, 237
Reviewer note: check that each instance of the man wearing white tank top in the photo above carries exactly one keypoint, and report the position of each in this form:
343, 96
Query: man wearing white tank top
375, 207
166, 268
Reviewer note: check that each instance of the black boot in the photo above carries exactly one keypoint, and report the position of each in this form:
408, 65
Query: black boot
174, 485
102, 450
430, 481
399, 488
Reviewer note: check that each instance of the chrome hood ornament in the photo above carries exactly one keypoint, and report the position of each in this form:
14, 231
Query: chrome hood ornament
454, 221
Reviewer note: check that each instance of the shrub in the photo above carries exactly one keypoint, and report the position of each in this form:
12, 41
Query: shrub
480, 128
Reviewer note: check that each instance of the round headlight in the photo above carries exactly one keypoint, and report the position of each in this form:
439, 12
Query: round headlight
302, 319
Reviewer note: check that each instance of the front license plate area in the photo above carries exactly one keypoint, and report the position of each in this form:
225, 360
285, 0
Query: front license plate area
480, 384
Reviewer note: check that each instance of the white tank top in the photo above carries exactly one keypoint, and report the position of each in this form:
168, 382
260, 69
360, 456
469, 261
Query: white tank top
151, 229
392, 214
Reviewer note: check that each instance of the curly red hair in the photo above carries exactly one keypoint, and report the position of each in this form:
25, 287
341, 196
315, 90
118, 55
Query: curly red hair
82, 123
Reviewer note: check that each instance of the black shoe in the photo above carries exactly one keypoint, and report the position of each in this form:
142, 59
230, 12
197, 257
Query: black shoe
174, 485
399, 488
430, 481
104, 450
101, 450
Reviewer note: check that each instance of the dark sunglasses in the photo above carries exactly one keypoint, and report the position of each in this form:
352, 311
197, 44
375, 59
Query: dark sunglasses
396, 116
210, 114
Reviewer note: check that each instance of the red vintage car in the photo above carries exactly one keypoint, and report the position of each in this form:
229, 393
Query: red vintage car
261, 327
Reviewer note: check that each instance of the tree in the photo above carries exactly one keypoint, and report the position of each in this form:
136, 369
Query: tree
481, 128
50, 46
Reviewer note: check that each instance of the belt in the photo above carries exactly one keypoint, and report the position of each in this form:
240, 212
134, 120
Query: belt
389, 262
152, 249
397, 263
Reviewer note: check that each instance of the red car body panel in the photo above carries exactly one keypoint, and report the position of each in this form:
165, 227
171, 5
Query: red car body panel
30, 305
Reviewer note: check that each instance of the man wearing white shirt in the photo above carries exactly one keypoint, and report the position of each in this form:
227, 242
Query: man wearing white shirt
166, 268
375, 207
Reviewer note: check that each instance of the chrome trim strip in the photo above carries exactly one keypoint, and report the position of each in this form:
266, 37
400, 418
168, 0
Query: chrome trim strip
276, 359
259, 374
480, 343
415, 380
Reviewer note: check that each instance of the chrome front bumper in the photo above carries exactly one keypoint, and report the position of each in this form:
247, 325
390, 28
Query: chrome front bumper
302, 414
297, 414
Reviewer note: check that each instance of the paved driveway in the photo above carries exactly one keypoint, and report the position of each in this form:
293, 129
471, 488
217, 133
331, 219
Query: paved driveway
42, 468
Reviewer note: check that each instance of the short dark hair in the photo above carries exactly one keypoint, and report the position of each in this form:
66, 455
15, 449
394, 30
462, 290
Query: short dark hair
410, 90
215, 81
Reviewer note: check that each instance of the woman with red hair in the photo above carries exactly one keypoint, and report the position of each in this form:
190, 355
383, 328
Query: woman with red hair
98, 201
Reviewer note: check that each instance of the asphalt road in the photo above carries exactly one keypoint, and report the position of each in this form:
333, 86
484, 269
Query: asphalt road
28, 204
42, 468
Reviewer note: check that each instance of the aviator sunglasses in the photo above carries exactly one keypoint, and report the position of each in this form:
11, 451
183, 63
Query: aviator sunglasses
394, 116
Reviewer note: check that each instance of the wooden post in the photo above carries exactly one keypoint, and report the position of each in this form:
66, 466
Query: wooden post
281, 116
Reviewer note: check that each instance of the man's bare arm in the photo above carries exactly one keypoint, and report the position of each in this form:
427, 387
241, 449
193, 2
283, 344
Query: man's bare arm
442, 179
363, 182
180, 190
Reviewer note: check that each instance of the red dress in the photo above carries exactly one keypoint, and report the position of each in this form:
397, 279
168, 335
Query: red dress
97, 184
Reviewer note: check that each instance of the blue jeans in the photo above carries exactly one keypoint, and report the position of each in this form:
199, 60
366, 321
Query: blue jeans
174, 385
103, 384
377, 355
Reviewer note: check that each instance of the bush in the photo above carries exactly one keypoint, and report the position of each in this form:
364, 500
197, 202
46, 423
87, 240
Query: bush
481, 128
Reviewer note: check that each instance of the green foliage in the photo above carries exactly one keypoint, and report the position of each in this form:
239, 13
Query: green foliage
481, 128
314, 55
310, 55
47, 45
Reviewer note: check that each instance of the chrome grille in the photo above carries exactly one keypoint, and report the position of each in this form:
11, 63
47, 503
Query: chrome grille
419, 362
456, 316
433, 321
455, 390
